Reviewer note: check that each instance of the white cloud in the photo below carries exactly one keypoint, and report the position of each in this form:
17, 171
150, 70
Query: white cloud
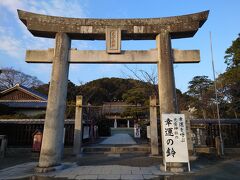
10, 46
73, 8
12, 5
15, 39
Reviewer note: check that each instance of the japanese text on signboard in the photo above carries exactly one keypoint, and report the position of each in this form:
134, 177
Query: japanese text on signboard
174, 138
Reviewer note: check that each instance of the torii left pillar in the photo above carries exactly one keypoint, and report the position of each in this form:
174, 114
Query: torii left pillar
52, 145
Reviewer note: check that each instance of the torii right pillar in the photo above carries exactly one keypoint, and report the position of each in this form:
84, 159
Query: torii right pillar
166, 83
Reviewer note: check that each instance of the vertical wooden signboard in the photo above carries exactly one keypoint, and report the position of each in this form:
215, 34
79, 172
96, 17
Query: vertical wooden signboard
174, 139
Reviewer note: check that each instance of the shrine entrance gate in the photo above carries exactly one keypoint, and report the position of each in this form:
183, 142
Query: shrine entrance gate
113, 30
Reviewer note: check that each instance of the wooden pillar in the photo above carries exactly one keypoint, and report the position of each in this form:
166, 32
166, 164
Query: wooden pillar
153, 126
52, 145
78, 127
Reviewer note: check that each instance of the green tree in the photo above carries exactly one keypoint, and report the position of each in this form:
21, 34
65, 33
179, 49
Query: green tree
139, 98
233, 91
228, 92
135, 96
71, 91
230, 80
183, 100
232, 57
199, 90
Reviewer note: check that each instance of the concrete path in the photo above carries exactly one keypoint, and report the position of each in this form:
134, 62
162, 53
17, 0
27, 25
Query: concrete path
119, 139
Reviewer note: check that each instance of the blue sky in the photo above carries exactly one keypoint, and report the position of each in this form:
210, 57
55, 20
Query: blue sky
223, 22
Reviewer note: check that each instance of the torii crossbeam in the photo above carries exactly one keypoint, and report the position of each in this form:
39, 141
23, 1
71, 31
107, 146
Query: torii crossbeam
93, 56
114, 31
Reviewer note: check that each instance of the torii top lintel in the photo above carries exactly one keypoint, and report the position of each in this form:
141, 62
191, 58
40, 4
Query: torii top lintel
131, 29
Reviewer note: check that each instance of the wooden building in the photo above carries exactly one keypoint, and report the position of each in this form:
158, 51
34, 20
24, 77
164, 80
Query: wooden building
23, 100
115, 113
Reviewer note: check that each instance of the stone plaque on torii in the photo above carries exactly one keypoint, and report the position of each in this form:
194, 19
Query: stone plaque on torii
113, 31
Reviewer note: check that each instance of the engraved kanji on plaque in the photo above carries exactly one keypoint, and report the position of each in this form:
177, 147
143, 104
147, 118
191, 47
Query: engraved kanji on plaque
113, 40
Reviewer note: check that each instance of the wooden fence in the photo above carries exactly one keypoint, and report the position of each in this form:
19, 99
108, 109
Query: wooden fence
19, 132
204, 132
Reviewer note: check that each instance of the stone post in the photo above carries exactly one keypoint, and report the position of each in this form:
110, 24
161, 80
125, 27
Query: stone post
115, 122
3, 145
218, 145
153, 126
78, 126
52, 145
128, 124
166, 83
189, 132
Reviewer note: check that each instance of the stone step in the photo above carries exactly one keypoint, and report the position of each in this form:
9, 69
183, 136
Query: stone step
117, 150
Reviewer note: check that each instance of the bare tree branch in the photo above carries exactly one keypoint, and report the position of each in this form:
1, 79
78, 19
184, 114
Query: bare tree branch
10, 77
144, 76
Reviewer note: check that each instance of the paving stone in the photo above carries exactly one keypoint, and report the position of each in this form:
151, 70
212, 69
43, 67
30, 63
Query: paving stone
104, 172
132, 176
135, 168
87, 177
109, 176
115, 172
116, 167
124, 167
157, 172
155, 167
64, 173
126, 171
136, 172
146, 170
119, 139
82, 172
92, 171
148, 176
70, 176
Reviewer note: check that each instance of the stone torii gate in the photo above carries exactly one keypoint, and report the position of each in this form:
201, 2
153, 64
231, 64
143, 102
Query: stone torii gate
113, 30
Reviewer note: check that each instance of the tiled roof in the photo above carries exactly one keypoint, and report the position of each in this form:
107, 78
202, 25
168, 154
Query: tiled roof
26, 90
34, 121
25, 104
215, 121
34, 92
39, 102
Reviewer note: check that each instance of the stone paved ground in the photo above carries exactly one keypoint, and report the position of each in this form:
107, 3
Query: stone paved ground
137, 160
206, 167
109, 172
119, 139
115, 166
72, 171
